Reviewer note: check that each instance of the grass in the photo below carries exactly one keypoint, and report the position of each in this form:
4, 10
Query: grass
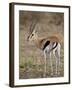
31, 69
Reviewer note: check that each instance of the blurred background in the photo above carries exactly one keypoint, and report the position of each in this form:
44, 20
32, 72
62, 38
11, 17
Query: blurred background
31, 59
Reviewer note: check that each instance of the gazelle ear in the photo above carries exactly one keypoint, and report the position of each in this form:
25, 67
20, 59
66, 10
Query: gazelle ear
35, 31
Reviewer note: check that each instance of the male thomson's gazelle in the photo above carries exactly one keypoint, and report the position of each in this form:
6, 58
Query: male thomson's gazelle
48, 45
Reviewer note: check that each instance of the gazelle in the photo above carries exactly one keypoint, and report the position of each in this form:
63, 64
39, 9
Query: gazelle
48, 45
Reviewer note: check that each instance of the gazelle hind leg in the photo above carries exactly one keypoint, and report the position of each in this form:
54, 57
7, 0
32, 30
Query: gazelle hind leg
58, 50
44, 75
57, 55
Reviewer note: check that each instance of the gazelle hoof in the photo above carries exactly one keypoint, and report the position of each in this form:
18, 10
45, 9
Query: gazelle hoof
58, 73
44, 75
51, 73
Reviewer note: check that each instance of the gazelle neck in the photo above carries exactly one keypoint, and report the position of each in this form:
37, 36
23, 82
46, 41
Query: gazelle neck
36, 41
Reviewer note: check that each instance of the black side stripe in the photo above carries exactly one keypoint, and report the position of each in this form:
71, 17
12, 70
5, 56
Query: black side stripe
55, 46
46, 44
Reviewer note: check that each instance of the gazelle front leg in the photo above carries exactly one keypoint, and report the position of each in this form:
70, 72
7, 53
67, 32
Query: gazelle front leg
51, 64
44, 75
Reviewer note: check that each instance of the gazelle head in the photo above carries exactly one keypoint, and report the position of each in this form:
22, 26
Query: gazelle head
33, 33
33, 36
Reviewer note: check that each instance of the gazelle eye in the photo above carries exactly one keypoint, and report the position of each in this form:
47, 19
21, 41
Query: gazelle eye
32, 34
